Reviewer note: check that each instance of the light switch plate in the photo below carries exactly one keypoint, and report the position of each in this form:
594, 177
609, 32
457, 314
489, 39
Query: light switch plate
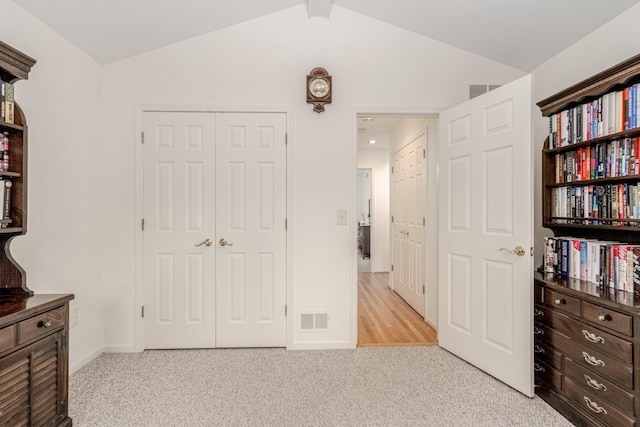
342, 217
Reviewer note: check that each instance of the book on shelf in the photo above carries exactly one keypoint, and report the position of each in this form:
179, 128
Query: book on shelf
5, 202
9, 103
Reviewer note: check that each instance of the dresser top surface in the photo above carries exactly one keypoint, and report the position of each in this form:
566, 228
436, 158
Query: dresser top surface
621, 300
15, 307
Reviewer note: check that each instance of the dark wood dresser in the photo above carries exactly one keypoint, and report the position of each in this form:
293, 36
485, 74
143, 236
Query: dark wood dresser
586, 351
34, 360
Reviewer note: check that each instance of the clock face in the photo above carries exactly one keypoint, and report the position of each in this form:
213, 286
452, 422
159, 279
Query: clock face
319, 88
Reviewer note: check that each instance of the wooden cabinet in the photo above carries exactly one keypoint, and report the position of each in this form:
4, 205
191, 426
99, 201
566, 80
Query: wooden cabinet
586, 340
34, 361
587, 354
34, 329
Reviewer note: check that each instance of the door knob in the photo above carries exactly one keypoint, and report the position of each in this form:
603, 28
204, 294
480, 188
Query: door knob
518, 250
206, 242
223, 242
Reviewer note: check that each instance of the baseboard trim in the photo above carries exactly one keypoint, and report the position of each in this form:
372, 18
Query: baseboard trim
78, 364
334, 345
121, 349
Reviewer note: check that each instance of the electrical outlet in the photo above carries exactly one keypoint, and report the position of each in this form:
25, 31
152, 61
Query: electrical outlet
73, 317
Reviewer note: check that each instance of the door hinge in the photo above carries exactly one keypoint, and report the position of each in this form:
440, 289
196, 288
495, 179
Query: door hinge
424, 220
142, 137
391, 169
285, 309
286, 224
142, 311
392, 218
423, 289
64, 340
531, 250
391, 267
424, 153
286, 139
142, 224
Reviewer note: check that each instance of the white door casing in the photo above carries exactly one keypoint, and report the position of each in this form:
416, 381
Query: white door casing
251, 215
408, 195
485, 211
178, 288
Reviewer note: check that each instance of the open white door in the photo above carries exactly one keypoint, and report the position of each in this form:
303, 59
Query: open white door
486, 212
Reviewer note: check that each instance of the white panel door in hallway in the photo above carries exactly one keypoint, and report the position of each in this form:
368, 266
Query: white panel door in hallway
250, 225
179, 206
409, 201
196, 180
486, 233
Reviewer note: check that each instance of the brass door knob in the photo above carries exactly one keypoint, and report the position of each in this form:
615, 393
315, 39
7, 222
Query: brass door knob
206, 242
223, 242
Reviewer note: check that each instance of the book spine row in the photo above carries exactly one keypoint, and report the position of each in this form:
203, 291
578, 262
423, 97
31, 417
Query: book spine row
7, 103
611, 204
4, 151
604, 160
612, 265
611, 113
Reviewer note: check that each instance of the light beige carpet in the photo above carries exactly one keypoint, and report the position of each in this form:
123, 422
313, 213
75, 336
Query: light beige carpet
390, 386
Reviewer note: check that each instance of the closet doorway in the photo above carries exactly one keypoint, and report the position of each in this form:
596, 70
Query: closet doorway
384, 317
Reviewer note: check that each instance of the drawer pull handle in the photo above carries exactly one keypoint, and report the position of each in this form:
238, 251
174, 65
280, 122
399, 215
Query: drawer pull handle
559, 301
592, 360
538, 312
592, 337
538, 368
46, 323
603, 317
594, 406
538, 331
594, 384
538, 349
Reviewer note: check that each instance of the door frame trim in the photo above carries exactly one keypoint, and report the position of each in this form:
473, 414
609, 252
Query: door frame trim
139, 110
355, 111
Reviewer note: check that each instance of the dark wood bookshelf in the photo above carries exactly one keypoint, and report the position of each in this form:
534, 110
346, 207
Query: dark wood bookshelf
590, 379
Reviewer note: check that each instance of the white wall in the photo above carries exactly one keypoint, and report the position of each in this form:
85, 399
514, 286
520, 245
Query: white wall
61, 251
377, 160
264, 62
609, 45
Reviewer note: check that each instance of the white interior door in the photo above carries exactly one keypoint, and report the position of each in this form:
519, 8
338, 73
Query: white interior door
251, 260
485, 203
409, 194
179, 287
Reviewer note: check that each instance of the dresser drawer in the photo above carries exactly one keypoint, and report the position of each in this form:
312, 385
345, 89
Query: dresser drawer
594, 406
600, 387
588, 335
596, 361
613, 320
562, 302
41, 325
545, 374
7, 338
547, 354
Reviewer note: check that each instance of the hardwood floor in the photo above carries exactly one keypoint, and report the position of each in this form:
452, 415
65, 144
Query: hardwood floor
384, 319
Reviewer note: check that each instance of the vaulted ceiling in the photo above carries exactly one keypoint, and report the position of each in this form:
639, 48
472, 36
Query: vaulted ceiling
519, 33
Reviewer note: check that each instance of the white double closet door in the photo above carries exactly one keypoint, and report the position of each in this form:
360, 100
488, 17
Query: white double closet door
214, 229
408, 226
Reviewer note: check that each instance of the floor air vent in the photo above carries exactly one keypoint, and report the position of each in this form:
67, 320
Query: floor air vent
314, 321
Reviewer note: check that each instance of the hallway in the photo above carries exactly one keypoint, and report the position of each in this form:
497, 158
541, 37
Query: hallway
384, 319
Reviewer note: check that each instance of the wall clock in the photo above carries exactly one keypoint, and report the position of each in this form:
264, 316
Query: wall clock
319, 89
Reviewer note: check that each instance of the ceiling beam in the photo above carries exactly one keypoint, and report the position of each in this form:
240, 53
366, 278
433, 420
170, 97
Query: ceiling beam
319, 8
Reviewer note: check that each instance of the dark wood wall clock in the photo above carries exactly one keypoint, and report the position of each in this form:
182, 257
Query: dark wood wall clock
319, 89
